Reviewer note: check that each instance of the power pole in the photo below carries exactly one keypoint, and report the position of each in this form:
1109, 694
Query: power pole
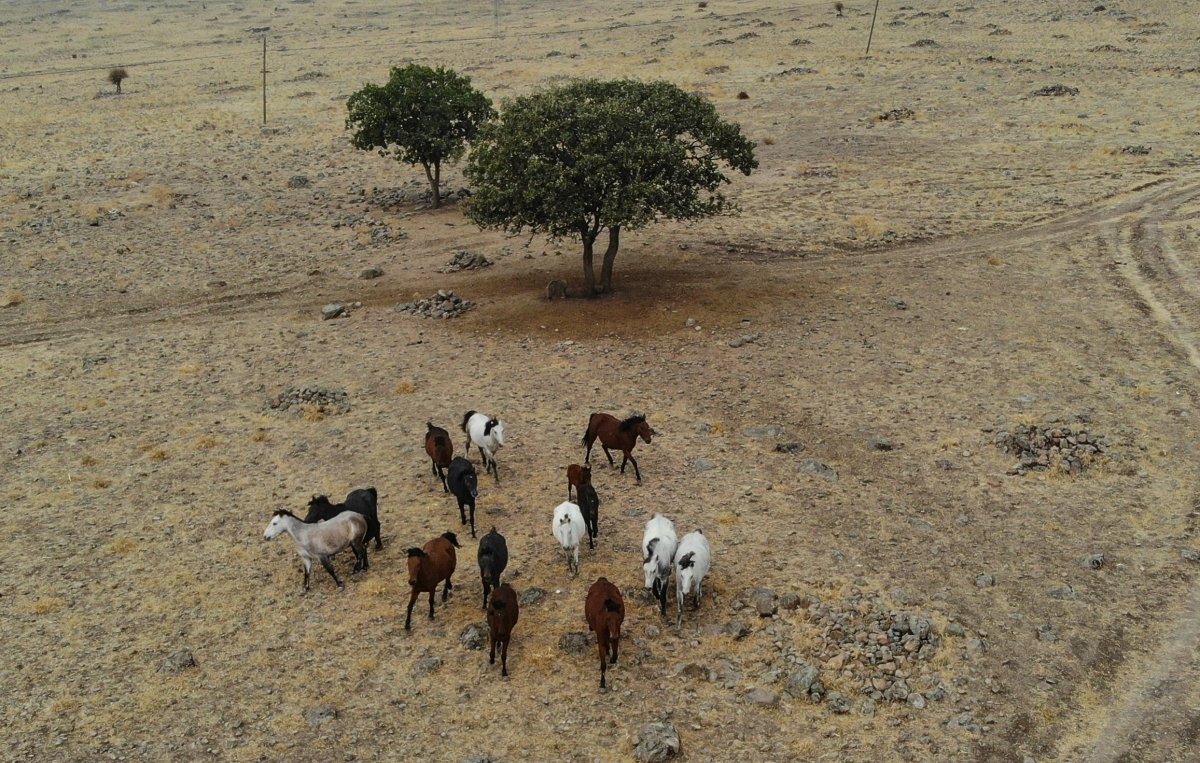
872, 32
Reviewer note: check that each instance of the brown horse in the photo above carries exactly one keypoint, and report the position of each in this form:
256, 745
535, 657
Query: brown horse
614, 433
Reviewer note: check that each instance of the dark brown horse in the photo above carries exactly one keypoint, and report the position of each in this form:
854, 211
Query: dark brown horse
621, 435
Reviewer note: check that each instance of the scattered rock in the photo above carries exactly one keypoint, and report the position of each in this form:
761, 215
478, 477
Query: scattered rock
1047, 632
916, 700
369, 273
532, 596
789, 447
737, 629
899, 304
800, 682
575, 643
817, 469
332, 310
326, 400
700, 465
656, 742
878, 443
444, 304
896, 115
1093, 561
763, 601
1136, 150
1056, 90
792, 601
319, 715
925, 44
984, 580
1190, 554
762, 697
177, 661
474, 636
837, 702
745, 339
767, 431
426, 665
465, 259
298, 181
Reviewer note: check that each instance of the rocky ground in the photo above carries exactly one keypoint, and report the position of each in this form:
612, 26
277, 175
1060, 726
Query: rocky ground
929, 394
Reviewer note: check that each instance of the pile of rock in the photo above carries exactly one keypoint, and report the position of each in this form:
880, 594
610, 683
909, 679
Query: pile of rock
882, 651
465, 259
1052, 445
444, 304
327, 400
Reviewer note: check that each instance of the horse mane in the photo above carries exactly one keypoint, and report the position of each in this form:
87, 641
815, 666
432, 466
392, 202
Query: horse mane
467, 417
496, 604
452, 538
415, 552
284, 513
685, 561
631, 422
611, 605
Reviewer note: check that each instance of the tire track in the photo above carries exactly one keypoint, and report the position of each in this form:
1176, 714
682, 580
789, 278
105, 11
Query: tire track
1157, 714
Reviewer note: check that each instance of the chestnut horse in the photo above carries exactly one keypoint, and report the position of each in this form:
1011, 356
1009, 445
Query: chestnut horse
621, 435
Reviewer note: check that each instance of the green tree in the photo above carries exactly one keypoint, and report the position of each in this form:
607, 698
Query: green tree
419, 116
590, 156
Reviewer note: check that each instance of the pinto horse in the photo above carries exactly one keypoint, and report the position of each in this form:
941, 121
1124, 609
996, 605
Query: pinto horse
621, 435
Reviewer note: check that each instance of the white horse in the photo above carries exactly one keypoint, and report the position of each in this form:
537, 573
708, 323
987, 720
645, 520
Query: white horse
488, 434
658, 553
568, 530
693, 559
321, 541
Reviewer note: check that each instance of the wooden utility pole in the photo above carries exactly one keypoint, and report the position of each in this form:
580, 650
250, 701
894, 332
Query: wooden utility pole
872, 32
264, 77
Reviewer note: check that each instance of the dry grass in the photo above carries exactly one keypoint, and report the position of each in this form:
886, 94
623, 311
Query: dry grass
11, 297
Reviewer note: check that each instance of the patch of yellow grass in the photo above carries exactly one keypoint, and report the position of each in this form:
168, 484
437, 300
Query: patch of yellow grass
46, 605
867, 226
100, 483
122, 545
11, 298
63, 706
87, 461
727, 518
158, 454
207, 441
994, 261
190, 368
312, 412
260, 435
405, 388
716, 427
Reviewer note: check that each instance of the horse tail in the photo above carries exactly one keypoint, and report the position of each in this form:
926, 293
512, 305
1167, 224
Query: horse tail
467, 417
588, 432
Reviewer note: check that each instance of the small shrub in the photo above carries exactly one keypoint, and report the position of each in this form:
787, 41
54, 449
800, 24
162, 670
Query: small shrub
117, 76
11, 298
839, 7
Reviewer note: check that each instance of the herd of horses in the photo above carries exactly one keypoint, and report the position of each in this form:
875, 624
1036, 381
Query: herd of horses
330, 528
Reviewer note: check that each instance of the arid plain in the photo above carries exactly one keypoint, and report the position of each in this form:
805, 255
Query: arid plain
930, 254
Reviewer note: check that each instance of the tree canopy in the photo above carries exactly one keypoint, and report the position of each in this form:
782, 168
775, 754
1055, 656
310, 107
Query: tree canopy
420, 116
591, 155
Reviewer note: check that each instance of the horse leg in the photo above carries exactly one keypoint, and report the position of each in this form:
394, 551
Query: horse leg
360, 555
603, 661
472, 519
329, 568
607, 453
411, 601
461, 513
486, 590
614, 643
504, 659
378, 538
445, 591
587, 456
442, 476
637, 472
307, 565
492, 647
431, 601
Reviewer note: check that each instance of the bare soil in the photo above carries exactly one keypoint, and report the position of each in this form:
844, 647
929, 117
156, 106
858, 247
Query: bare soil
929, 253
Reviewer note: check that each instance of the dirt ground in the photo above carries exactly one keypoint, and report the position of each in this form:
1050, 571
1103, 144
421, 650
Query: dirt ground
930, 253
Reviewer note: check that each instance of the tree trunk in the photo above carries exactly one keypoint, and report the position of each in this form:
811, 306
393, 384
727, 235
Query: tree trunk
434, 173
610, 254
589, 272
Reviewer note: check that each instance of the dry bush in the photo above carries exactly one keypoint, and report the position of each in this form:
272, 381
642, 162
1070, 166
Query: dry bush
207, 441
405, 388
260, 435
158, 454
116, 76
122, 545
101, 483
312, 412
11, 298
